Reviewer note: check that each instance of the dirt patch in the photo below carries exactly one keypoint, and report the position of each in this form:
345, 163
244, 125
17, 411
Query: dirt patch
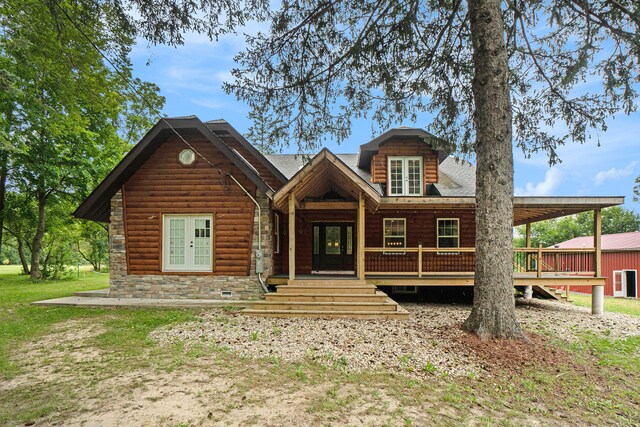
499, 355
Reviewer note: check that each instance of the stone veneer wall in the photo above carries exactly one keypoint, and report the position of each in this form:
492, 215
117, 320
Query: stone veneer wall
125, 285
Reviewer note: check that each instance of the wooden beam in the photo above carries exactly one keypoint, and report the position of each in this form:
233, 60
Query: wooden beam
360, 237
597, 241
528, 244
323, 205
539, 261
292, 236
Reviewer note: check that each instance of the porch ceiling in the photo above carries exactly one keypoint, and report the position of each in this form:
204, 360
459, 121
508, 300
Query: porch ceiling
533, 209
325, 173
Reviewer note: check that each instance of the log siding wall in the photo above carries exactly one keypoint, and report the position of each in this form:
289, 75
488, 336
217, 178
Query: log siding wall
163, 186
421, 228
415, 147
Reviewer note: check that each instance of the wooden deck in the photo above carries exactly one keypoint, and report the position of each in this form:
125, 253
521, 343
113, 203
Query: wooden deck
446, 279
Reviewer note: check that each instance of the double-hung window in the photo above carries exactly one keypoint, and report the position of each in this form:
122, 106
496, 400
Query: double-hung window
395, 234
187, 243
405, 176
448, 233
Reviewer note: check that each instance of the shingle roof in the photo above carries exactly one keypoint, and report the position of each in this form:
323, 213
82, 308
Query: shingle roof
623, 241
289, 164
457, 177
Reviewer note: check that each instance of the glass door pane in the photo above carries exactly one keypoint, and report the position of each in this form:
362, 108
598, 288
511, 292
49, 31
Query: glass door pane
177, 242
395, 177
201, 242
332, 240
414, 178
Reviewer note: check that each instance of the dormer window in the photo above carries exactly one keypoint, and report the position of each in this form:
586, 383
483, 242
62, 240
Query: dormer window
405, 176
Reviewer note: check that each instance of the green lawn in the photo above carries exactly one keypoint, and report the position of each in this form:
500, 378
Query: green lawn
47, 377
616, 305
21, 322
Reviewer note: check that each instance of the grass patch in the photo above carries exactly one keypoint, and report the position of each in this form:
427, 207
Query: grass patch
22, 322
601, 391
611, 304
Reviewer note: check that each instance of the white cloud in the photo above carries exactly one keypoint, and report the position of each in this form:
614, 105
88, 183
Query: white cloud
613, 173
551, 180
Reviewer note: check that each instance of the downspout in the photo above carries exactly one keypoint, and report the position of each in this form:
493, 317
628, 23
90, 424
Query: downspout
259, 250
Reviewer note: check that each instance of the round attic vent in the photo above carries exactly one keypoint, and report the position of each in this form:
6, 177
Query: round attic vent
187, 157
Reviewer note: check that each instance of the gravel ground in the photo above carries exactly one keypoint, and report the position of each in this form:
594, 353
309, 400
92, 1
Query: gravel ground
427, 343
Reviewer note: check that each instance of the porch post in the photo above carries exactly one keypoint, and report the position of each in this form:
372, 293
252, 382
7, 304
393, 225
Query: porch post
360, 237
528, 290
292, 236
597, 292
597, 241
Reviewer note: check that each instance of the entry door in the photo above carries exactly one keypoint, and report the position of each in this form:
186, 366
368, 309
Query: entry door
333, 245
631, 283
619, 283
187, 243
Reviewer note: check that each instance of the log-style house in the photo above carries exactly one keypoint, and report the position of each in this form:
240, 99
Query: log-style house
195, 211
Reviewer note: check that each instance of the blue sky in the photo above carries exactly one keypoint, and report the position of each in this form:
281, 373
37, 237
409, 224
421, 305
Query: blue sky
191, 77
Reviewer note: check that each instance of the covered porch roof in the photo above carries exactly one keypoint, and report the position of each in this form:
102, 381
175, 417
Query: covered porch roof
323, 174
534, 209
525, 209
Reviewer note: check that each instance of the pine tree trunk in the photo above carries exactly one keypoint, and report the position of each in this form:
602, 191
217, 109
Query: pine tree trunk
36, 246
493, 313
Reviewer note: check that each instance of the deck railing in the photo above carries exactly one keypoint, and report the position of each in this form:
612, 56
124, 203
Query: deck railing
424, 261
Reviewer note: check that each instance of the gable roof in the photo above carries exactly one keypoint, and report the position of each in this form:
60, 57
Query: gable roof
97, 206
323, 171
222, 128
611, 242
290, 164
403, 132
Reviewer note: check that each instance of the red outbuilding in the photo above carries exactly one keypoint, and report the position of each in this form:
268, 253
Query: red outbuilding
620, 262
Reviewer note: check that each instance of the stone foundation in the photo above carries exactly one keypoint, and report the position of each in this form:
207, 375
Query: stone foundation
177, 286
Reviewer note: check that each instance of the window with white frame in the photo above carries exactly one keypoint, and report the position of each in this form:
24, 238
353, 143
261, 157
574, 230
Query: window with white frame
276, 233
394, 234
448, 230
405, 176
187, 243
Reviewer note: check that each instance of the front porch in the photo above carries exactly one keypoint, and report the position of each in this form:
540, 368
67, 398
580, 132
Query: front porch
335, 221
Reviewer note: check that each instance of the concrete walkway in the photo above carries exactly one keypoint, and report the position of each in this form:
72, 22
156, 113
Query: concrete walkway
100, 299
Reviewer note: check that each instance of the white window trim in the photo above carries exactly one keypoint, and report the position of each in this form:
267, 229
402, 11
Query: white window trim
190, 268
405, 175
457, 236
276, 232
384, 236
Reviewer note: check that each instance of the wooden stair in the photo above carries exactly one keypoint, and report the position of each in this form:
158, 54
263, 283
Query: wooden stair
551, 293
328, 299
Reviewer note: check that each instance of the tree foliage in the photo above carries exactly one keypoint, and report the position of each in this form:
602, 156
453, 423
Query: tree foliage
66, 118
548, 233
323, 64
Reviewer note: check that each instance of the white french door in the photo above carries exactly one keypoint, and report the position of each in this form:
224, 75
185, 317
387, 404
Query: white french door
187, 243
619, 284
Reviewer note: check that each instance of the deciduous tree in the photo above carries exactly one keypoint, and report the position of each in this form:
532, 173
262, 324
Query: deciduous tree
71, 110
